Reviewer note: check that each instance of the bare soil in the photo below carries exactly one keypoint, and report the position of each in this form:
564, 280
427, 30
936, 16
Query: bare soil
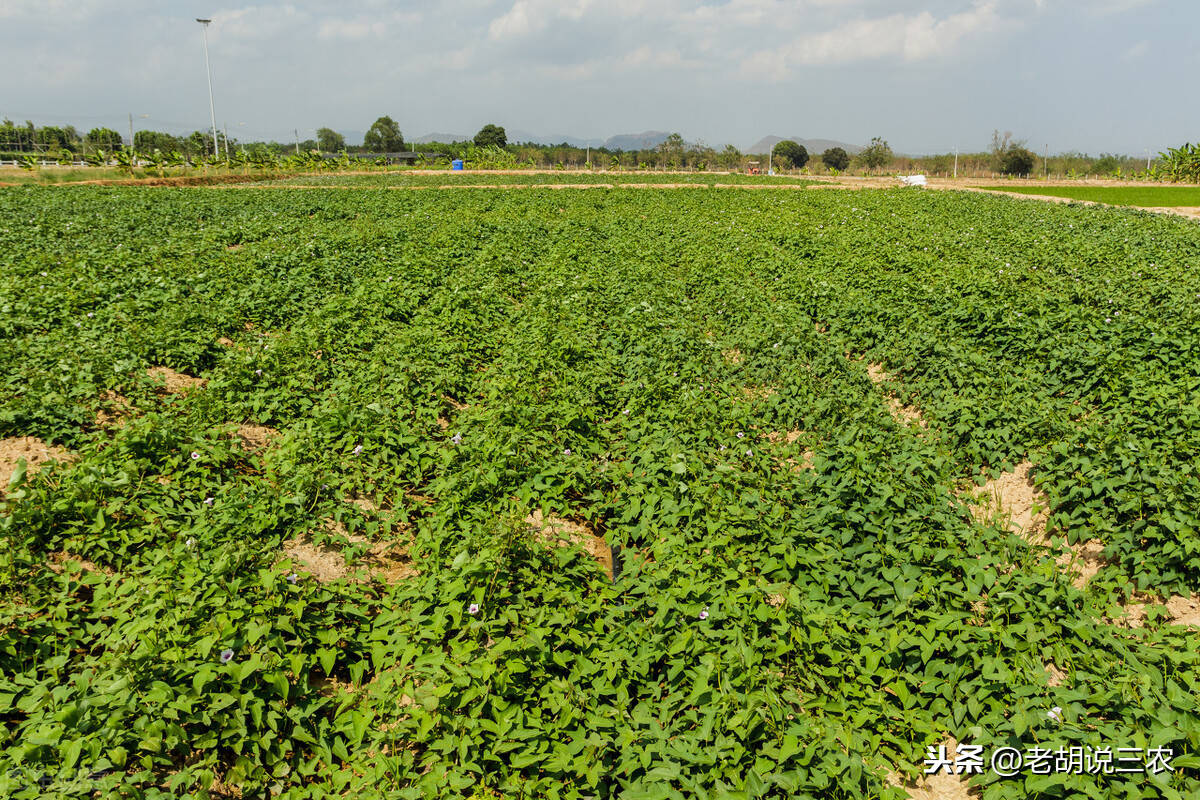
900, 411
256, 437
558, 531
1055, 676
942, 786
1182, 611
33, 450
115, 410
1013, 500
58, 563
384, 561
173, 382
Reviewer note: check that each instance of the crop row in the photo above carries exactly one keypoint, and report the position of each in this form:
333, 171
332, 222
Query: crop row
800, 602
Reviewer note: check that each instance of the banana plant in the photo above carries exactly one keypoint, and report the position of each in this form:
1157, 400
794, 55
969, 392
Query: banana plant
28, 163
65, 157
126, 159
97, 159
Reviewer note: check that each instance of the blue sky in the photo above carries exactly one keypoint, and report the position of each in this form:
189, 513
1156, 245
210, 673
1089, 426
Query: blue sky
1087, 75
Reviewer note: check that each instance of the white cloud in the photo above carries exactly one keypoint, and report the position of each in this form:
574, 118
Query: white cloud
1137, 51
351, 29
909, 38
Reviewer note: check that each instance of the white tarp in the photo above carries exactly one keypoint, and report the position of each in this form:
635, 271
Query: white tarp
912, 180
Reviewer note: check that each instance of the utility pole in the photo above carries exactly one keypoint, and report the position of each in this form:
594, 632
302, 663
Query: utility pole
955, 161
226, 141
131, 131
297, 132
211, 108
1046, 163
1147, 160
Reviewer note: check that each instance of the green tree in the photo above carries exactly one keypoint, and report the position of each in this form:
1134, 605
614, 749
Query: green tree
1106, 164
836, 158
53, 138
491, 136
149, 141
794, 154
731, 157
876, 154
330, 141
383, 137
1017, 160
103, 139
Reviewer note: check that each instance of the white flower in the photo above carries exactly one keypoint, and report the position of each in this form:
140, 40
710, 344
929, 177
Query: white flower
1055, 714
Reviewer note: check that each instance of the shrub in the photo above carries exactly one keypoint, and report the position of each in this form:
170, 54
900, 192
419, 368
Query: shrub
1016, 161
836, 158
794, 154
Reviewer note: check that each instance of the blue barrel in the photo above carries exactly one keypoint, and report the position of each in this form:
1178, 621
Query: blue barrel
456, 164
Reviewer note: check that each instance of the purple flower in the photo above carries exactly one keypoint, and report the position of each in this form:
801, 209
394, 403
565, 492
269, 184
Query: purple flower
749, 452
704, 613
208, 501
473, 608
226, 656
566, 451
195, 456
90, 315
293, 578
722, 448
456, 438
258, 372
358, 449
741, 435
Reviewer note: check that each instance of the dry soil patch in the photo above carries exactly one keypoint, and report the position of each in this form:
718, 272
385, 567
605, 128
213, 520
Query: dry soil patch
33, 450
945, 785
172, 382
1013, 499
900, 411
114, 410
556, 530
385, 561
57, 563
1182, 611
256, 437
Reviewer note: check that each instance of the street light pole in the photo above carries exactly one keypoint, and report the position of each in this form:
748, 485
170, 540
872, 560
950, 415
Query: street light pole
208, 71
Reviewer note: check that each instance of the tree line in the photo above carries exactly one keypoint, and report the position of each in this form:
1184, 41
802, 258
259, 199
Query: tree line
490, 148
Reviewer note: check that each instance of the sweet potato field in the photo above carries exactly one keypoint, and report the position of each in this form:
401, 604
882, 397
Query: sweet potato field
593, 494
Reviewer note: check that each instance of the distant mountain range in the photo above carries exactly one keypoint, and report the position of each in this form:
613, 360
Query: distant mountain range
525, 137
645, 140
813, 146
445, 138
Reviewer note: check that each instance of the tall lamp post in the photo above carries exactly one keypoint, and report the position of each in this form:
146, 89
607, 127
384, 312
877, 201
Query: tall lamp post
208, 71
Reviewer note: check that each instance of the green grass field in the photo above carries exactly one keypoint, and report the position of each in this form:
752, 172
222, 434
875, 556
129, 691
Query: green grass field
356, 547
1147, 196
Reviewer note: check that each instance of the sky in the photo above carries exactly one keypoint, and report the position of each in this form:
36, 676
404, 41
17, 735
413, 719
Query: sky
1071, 75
